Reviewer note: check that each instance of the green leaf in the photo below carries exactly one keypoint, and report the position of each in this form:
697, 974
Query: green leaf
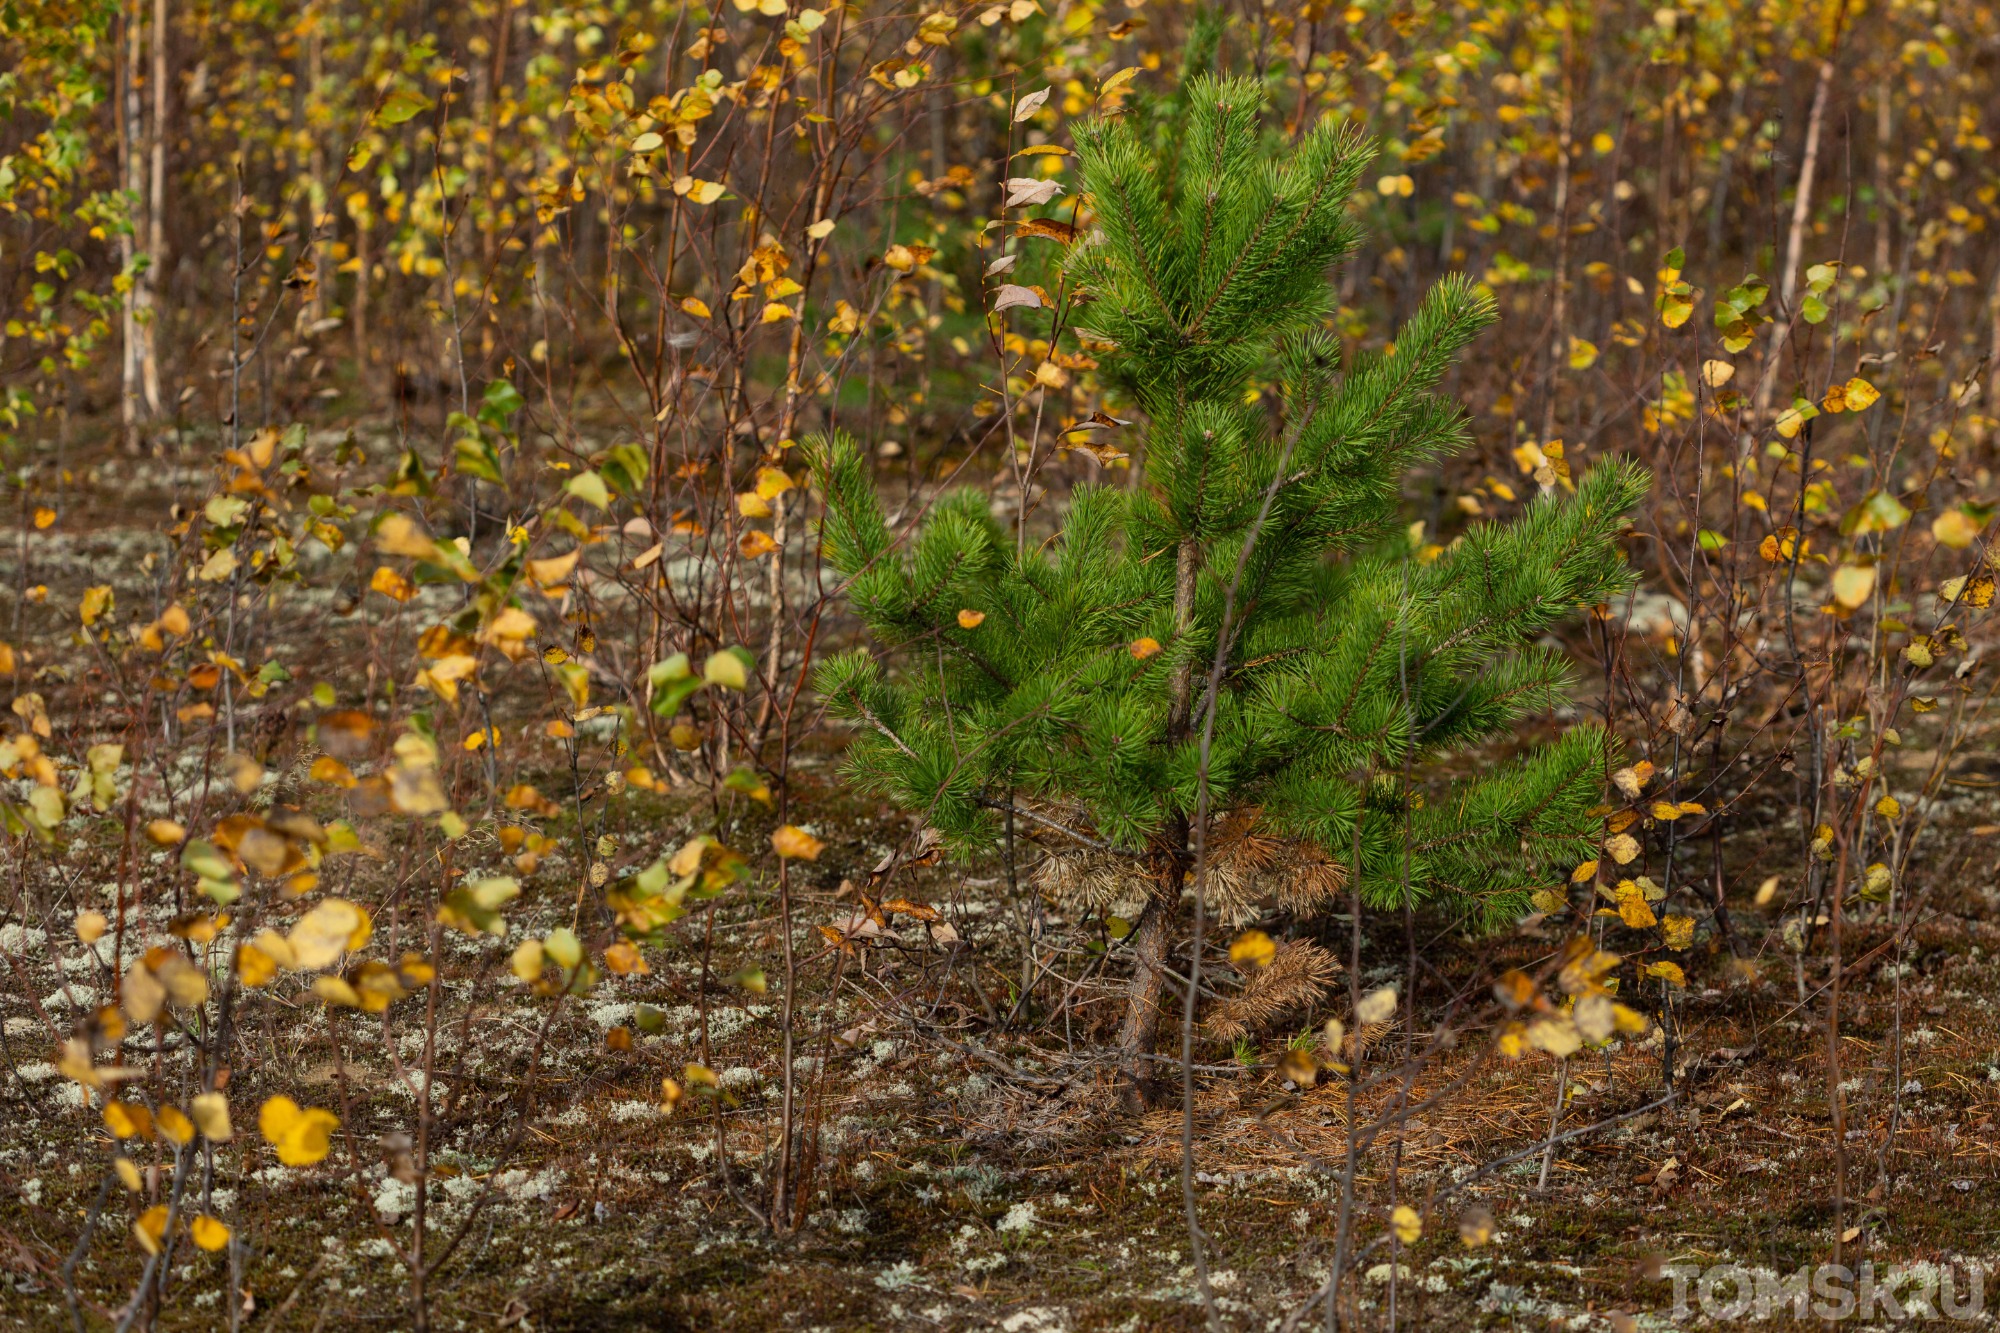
401, 105
563, 946
746, 781
225, 511
625, 468
1711, 540
1879, 511
729, 668
202, 857
499, 403
671, 682
590, 488
1748, 294
1812, 309
474, 456
1675, 306
652, 881
411, 479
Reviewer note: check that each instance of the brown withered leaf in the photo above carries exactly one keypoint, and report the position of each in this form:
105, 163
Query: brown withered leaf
1101, 454
369, 797
229, 832
264, 851
295, 824
1047, 229
440, 641
346, 734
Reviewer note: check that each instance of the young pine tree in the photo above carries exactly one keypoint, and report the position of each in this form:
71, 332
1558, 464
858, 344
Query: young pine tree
1077, 696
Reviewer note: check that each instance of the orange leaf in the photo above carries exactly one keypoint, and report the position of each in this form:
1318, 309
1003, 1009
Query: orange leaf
795, 844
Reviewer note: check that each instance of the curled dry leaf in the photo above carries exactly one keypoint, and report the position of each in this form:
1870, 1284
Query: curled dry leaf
1047, 229
1028, 191
1631, 781
1011, 295
1622, 848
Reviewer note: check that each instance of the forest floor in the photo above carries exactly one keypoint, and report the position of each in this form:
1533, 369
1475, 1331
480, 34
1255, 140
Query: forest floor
970, 1176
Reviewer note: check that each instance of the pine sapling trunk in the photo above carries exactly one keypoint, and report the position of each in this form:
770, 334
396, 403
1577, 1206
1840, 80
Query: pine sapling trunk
1153, 940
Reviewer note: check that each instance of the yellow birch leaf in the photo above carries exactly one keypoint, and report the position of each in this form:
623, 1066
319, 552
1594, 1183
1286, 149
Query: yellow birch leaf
1954, 528
150, 1228
211, 1117
302, 1136
1252, 947
1859, 394
1852, 584
174, 1125
795, 844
